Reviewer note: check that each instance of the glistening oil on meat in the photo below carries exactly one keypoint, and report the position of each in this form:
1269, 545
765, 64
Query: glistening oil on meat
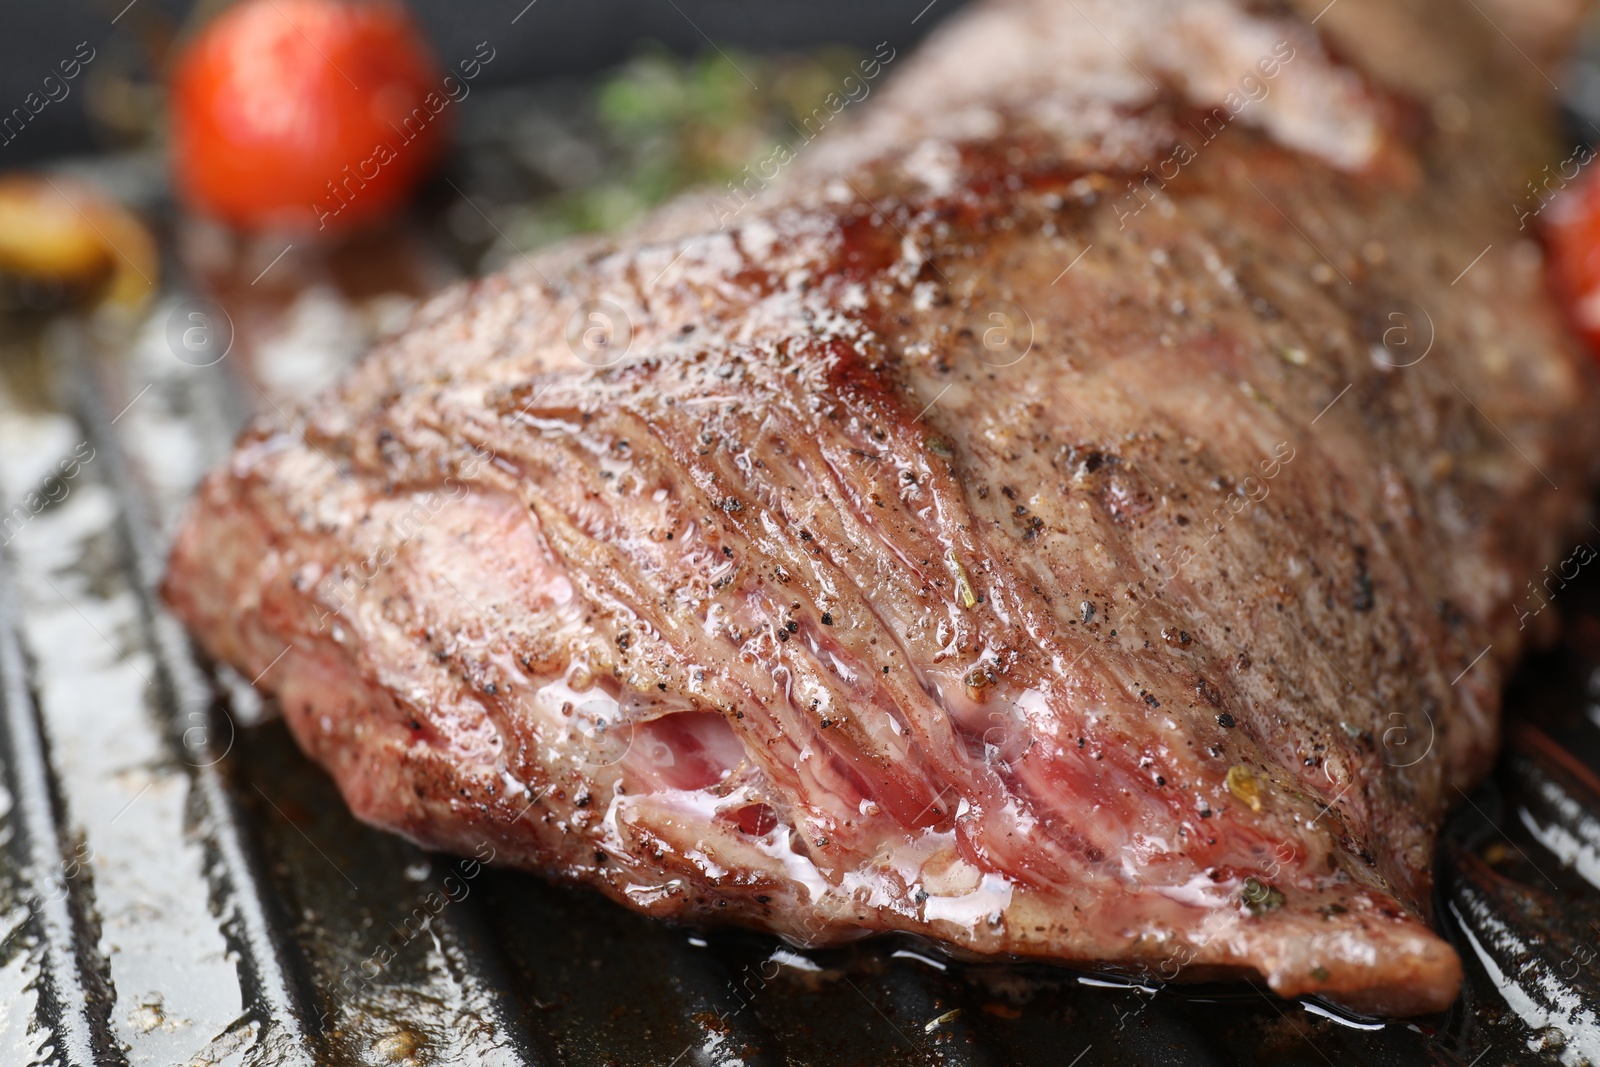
703, 634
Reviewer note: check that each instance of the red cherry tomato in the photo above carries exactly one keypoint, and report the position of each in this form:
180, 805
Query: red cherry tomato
306, 114
1572, 227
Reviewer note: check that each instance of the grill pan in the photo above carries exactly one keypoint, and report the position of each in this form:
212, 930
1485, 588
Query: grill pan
181, 886
178, 885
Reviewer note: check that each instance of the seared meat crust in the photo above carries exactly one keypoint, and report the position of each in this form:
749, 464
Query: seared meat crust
1010, 527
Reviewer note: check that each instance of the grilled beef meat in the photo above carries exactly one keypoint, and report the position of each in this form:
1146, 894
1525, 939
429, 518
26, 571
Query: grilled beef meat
1080, 511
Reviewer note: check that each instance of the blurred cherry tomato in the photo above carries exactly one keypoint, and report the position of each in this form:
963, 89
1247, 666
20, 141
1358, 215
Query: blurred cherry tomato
1572, 226
306, 114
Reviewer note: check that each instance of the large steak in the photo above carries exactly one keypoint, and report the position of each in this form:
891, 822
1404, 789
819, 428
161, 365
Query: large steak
1085, 508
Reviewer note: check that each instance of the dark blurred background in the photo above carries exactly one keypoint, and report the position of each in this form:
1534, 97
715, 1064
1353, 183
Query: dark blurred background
550, 39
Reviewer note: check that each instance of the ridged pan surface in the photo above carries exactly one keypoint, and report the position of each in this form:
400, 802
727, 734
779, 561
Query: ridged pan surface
181, 886
178, 885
